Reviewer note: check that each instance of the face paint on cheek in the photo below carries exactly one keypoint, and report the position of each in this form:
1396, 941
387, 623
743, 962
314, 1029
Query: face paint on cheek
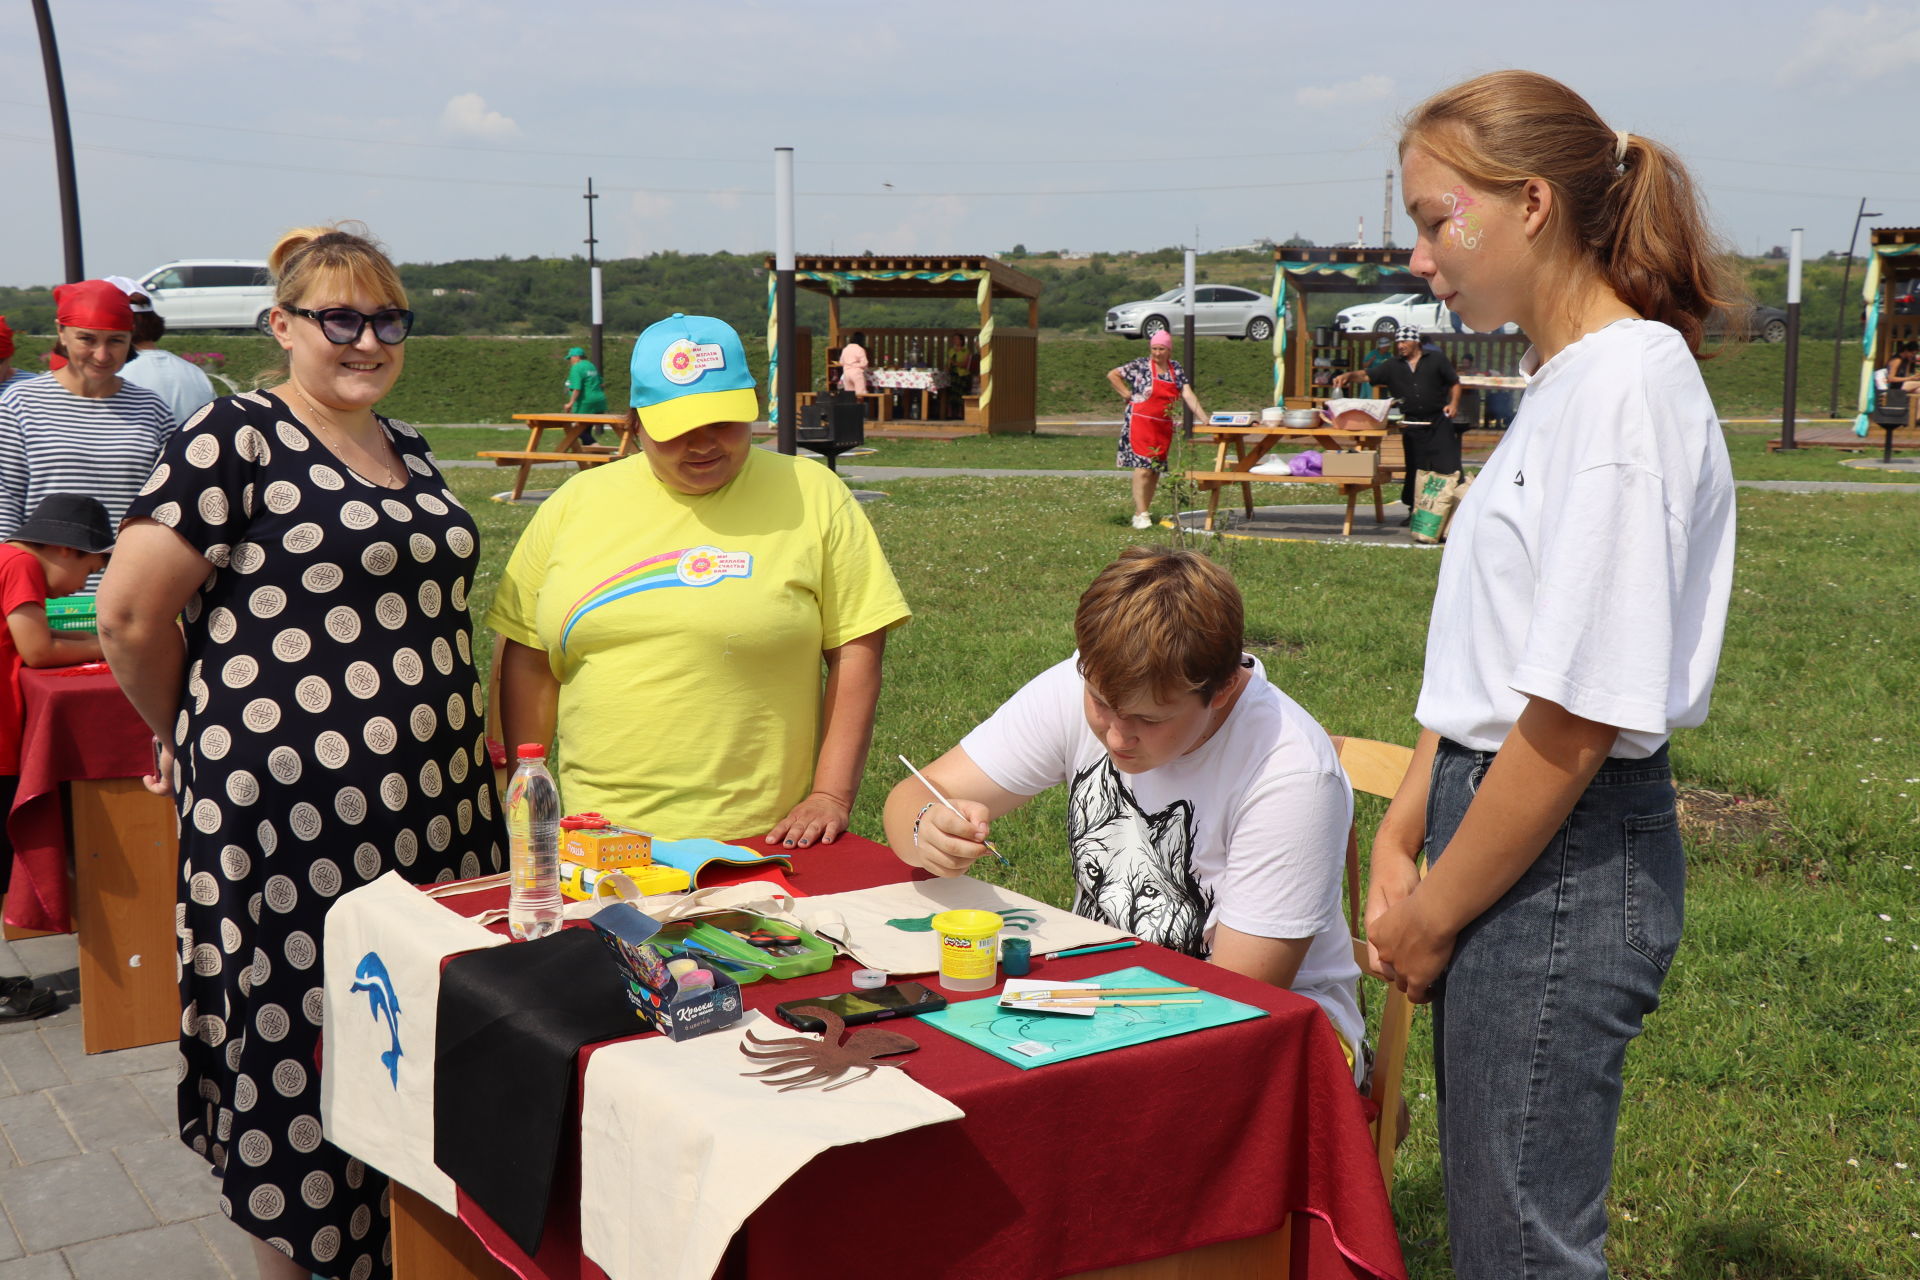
1463, 225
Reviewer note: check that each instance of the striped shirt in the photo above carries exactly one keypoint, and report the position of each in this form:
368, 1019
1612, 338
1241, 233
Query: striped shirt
52, 441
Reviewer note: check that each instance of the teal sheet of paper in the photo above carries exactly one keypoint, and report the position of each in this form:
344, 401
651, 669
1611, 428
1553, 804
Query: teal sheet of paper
986, 1025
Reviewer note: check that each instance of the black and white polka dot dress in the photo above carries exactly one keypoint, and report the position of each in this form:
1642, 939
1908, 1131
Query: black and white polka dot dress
329, 732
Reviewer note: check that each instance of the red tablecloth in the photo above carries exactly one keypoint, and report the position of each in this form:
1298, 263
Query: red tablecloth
78, 727
1106, 1160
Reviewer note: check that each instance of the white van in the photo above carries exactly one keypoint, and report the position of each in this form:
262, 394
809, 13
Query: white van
211, 293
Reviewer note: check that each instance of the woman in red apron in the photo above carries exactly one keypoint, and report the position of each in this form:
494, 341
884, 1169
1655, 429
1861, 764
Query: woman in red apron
1150, 385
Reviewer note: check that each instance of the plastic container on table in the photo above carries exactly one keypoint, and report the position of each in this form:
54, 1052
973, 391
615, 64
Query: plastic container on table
71, 613
969, 949
717, 933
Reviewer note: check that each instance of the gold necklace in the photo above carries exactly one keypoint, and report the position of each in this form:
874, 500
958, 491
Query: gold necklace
393, 481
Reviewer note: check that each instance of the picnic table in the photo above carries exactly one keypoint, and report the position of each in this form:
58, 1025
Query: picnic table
565, 430
1111, 1161
1252, 443
924, 381
83, 750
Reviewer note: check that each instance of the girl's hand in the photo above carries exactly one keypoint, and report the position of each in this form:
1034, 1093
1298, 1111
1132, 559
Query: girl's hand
1412, 948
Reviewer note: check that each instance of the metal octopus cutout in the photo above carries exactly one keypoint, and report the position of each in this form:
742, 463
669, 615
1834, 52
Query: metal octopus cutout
802, 1062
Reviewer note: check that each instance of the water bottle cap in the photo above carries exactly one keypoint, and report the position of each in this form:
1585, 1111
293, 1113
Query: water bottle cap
531, 751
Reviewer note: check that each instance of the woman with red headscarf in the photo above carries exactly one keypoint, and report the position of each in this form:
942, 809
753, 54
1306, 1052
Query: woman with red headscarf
81, 429
8, 374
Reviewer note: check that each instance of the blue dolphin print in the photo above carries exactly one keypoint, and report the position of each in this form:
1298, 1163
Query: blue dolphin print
371, 977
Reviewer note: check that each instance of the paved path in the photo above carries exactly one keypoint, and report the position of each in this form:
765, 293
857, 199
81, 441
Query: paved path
93, 1179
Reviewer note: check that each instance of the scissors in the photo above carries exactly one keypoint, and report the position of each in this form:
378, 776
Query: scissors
766, 939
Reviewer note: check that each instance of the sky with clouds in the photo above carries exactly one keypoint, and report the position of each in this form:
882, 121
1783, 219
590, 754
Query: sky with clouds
468, 128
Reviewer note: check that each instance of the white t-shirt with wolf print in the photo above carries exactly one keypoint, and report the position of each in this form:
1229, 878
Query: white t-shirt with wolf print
1249, 831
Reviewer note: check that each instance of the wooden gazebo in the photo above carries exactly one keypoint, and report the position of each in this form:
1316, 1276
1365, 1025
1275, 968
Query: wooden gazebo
1303, 366
1006, 393
1893, 258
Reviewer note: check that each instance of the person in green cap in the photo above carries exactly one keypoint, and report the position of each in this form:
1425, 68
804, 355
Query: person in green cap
584, 392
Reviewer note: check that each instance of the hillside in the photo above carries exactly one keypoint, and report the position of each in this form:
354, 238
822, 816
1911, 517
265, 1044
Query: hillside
510, 296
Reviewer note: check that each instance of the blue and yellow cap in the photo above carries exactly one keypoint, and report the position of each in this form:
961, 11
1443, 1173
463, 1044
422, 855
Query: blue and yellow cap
689, 371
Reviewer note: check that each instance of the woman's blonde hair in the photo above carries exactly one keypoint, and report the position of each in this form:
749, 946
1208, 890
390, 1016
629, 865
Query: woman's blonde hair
1628, 204
342, 257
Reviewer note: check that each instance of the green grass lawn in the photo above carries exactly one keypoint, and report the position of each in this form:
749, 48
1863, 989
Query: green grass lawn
1770, 1127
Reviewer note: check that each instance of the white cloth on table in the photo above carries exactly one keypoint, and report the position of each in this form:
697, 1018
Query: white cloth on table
858, 920
374, 1103
677, 1147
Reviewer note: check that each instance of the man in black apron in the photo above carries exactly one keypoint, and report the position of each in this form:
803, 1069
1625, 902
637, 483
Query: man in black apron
1429, 394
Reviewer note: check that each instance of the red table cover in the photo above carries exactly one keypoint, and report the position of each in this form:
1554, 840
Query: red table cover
1101, 1161
79, 727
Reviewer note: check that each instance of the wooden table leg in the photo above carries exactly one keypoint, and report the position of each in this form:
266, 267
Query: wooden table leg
1353, 496
1379, 505
430, 1244
127, 862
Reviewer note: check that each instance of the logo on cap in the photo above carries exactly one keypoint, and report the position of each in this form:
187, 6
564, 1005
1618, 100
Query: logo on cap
684, 361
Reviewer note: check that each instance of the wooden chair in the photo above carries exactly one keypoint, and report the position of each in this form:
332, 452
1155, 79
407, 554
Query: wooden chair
1376, 768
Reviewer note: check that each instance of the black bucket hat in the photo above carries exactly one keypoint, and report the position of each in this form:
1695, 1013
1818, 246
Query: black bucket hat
68, 520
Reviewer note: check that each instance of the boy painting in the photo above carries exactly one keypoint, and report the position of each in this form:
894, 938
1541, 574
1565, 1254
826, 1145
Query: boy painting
64, 540
1207, 811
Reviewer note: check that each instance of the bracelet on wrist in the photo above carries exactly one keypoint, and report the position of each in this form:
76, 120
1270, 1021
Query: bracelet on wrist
917, 818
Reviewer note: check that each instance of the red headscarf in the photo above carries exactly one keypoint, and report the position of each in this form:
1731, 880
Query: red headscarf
6, 341
92, 304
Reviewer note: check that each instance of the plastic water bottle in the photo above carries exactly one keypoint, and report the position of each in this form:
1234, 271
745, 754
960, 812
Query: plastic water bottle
534, 908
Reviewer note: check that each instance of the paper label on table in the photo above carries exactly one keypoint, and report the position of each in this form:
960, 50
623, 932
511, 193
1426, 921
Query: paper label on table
1017, 987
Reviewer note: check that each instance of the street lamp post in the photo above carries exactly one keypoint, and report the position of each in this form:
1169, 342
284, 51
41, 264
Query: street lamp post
62, 142
1840, 324
593, 277
1791, 393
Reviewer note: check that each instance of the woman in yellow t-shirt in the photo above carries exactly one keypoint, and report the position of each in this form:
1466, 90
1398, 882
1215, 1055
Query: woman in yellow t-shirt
668, 617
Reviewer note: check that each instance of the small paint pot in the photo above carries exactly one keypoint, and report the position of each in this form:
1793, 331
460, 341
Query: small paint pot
969, 949
1016, 956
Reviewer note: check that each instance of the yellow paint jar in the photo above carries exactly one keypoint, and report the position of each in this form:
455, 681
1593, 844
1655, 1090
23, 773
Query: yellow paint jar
969, 949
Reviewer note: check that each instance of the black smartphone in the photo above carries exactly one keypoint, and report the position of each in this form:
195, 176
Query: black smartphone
874, 1004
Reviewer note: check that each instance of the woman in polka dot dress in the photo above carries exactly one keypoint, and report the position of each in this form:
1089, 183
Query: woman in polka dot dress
319, 722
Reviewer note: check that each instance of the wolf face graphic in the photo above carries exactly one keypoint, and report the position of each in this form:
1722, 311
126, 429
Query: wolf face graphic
1133, 869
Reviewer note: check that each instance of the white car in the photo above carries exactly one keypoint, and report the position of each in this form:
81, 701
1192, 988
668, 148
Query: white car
211, 293
1220, 310
1388, 314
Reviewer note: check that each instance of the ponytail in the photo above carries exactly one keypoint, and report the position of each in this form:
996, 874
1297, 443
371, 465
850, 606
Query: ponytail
1622, 202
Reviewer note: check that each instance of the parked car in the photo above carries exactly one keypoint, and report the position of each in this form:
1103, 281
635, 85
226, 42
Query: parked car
1219, 310
1905, 298
211, 293
1386, 315
1764, 324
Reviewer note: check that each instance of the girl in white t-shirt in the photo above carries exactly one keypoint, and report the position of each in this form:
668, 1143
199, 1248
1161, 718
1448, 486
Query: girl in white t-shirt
1577, 622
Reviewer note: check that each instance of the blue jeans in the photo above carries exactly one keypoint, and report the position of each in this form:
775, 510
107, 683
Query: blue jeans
1533, 1016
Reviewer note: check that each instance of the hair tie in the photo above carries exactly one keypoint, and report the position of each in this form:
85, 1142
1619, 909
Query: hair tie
1620, 146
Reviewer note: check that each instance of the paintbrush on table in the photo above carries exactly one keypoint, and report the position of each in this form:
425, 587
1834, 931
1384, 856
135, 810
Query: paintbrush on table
1092, 993
1100, 1004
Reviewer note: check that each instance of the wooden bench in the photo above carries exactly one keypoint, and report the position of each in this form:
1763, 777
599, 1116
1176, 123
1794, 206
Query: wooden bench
1263, 439
571, 427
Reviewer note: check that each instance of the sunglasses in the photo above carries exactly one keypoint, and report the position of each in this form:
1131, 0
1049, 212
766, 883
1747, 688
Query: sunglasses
343, 325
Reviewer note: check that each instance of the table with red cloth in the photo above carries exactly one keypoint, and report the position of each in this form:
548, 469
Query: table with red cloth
83, 750
1102, 1161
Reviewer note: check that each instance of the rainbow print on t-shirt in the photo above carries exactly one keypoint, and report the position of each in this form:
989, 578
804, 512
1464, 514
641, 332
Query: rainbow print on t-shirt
687, 567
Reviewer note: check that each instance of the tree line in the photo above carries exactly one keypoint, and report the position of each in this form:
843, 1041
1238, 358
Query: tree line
508, 296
